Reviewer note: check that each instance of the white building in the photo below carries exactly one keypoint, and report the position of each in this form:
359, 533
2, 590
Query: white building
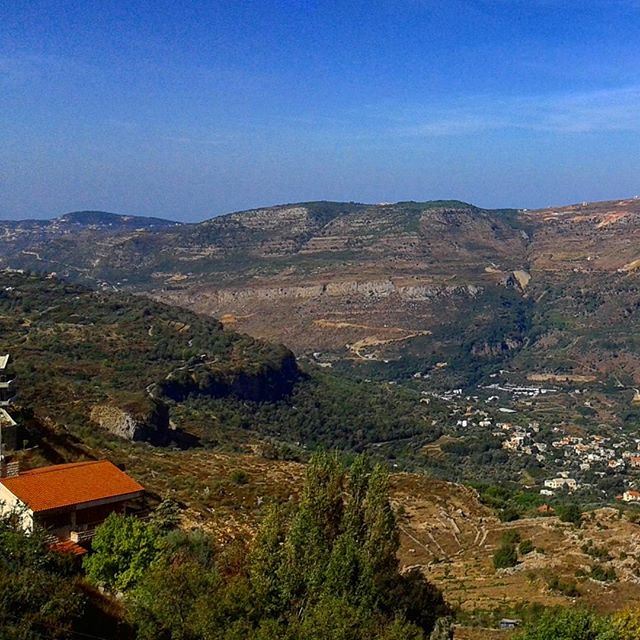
559, 483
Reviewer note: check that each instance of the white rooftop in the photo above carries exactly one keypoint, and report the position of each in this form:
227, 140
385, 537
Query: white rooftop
4, 360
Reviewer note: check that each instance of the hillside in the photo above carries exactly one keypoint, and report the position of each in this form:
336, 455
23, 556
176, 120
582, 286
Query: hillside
337, 272
445, 530
96, 365
383, 290
237, 412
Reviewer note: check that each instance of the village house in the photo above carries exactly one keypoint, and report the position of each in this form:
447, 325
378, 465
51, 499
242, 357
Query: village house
8, 432
558, 483
7, 386
8, 426
545, 509
68, 500
631, 495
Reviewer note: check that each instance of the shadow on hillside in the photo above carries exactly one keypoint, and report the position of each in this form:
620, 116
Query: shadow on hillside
183, 439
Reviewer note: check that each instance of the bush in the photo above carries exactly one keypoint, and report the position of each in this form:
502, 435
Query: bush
626, 625
123, 548
569, 513
566, 624
526, 546
239, 477
566, 586
511, 537
38, 591
603, 574
506, 556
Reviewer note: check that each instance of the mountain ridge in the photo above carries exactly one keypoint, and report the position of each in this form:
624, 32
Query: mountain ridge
385, 287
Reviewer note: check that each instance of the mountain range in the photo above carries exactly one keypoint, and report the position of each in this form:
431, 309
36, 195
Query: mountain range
387, 290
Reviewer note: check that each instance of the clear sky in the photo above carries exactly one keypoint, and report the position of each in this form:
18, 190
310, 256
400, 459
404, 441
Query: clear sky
188, 109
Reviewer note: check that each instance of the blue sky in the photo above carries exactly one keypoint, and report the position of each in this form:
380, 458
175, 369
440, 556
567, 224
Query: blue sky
190, 109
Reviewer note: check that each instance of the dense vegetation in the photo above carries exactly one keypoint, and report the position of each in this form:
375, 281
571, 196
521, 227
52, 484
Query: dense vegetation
327, 410
39, 597
577, 624
322, 569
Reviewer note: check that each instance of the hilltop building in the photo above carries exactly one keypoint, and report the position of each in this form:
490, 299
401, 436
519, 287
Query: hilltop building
558, 483
8, 432
8, 426
7, 383
68, 500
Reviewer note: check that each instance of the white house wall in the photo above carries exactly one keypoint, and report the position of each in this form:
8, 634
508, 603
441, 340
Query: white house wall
10, 504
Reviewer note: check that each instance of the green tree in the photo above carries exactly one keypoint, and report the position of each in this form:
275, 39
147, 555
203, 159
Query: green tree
625, 625
570, 512
325, 568
567, 624
341, 542
123, 548
38, 592
505, 556
166, 516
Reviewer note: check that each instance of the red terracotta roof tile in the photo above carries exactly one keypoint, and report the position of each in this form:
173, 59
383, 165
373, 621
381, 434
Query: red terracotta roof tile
67, 546
64, 485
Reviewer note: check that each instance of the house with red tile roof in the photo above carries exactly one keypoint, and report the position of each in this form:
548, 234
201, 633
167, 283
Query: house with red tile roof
68, 500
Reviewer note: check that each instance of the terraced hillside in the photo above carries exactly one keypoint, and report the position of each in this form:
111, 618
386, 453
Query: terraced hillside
77, 351
384, 290
445, 531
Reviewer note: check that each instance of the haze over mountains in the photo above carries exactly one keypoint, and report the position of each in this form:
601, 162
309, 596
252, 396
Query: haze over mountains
389, 289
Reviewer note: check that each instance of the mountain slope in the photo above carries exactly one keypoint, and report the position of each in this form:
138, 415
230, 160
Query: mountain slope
386, 289
85, 358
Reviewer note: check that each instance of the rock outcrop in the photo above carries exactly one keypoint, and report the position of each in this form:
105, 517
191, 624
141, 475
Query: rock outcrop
264, 382
374, 289
145, 421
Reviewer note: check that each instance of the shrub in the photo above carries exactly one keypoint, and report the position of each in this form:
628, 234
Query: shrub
603, 574
123, 548
239, 477
625, 625
565, 586
38, 591
566, 624
526, 546
569, 513
506, 556
511, 537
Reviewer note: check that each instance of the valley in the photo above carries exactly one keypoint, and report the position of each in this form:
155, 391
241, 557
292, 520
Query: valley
489, 358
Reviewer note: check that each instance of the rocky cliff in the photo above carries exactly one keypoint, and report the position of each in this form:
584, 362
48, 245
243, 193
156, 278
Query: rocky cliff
268, 382
147, 420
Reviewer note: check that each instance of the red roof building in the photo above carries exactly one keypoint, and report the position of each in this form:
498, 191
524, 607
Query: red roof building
69, 500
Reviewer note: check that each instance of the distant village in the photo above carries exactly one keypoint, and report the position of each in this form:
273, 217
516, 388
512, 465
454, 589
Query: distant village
574, 462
